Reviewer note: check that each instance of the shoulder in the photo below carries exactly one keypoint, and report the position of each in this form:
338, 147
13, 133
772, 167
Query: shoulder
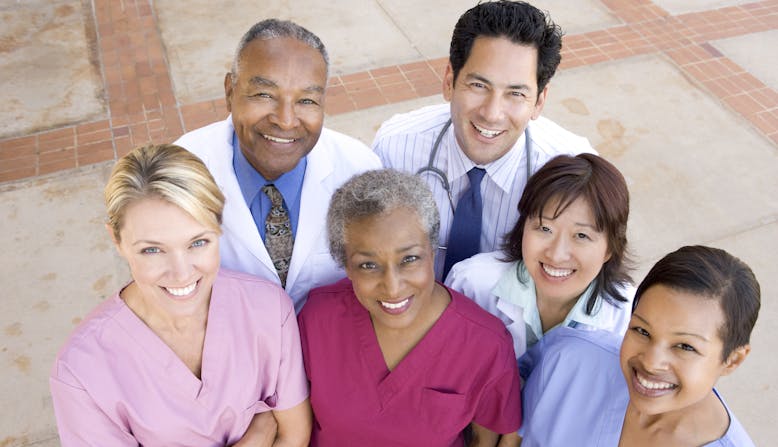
736, 435
580, 347
332, 299
552, 139
334, 141
477, 319
481, 269
201, 141
425, 119
252, 290
85, 346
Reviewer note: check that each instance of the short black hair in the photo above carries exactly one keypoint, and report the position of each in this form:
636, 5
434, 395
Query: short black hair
519, 22
715, 274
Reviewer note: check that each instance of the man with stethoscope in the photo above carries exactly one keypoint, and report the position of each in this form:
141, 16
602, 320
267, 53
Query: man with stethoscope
491, 135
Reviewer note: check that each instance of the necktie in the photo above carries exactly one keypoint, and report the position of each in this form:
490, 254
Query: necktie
465, 236
279, 239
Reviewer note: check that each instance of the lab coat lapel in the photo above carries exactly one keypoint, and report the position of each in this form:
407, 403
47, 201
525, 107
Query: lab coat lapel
314, 201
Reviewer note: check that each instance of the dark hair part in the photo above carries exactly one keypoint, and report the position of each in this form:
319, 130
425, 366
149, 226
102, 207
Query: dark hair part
274, 29
560, 182
519, 22
714, 274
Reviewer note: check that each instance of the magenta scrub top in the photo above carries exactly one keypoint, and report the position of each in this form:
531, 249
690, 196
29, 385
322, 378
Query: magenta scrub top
463, 370
115, 383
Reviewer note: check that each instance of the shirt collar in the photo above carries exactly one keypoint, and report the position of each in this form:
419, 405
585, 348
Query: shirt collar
251, 181
517, 288
501, 171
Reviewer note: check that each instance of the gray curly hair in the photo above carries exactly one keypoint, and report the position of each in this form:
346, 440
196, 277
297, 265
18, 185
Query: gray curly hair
376, 192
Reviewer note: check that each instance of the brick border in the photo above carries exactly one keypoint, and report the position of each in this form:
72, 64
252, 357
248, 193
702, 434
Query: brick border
142, 106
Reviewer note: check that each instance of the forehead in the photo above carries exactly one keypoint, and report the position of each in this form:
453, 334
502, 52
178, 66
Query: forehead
283, 60
502, 61
674, 310
155, 216
397, 226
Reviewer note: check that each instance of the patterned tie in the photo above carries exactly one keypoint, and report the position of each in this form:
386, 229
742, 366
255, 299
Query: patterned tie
279, 239
464, 239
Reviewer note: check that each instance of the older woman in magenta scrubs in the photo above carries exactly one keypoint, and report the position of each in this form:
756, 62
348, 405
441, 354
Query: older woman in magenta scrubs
691, 324
393, 357
185, 354
563, 264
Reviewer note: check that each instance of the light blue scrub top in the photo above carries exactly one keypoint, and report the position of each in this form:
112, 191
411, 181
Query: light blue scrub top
577, 394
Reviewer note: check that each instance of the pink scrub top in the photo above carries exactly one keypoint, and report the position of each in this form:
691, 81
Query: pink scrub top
115, 383
462, 371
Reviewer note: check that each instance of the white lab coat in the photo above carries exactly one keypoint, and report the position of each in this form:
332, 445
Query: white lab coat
334, 159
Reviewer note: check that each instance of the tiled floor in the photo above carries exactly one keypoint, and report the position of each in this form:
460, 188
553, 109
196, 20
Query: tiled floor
142, 106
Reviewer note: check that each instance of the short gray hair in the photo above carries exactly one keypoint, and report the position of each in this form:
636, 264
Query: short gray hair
274, 29
377, 192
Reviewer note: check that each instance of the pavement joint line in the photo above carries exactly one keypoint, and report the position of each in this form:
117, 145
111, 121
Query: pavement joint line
645, 30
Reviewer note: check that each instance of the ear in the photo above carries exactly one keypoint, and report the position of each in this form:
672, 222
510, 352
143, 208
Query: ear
540, 103
448, 83
228, 90
735, 359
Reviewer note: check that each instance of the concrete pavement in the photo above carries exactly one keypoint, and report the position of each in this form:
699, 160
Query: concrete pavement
682, 95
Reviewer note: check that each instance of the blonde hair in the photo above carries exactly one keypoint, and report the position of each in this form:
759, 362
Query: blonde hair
167, 172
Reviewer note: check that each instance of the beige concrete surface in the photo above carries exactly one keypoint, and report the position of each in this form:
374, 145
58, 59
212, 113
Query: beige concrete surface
50, 77
754, 52
685, 6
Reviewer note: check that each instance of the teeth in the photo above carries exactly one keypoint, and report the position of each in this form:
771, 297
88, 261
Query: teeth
558, 273
394, 305
181, 291
654, 385
486, 132
277, 140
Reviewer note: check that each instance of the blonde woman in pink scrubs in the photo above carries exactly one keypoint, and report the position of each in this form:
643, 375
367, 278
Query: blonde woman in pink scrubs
186, 354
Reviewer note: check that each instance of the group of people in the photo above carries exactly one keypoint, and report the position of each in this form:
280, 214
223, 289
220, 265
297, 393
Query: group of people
465, 282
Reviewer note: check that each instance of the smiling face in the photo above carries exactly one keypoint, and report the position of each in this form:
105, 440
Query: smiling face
277, 103
173, 258
671, 353
494, 97
390, 262
565, 254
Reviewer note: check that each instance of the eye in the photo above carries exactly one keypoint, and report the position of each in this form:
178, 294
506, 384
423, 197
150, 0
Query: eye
409, 259
518, 94
260, 95
367, 266
477, 85
640, 331
582, 236
308, 102
200, 243
544, 229
150, 250
686, 347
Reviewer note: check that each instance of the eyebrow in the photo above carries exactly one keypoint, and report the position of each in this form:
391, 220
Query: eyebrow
486, 81
579, 224
399, 250
151, 242
688, 334
259, 81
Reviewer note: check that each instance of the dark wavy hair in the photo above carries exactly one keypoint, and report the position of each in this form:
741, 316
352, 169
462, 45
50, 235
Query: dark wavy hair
714, 274
519, 22
560, 182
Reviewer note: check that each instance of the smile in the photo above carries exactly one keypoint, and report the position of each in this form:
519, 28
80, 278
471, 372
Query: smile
556, 273
181, 291
652, 385
486, 132
278, 140
395, 306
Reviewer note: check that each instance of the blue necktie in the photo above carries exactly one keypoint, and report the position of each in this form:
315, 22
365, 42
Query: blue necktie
464, 239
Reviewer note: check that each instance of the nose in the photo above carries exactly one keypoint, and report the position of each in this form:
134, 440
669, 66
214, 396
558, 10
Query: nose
559, 249
654, 358
180, 267
491, 109
392, 283
284, 115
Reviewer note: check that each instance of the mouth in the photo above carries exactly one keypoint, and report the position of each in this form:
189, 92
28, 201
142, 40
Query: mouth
556, 272
487, 133
180, 292
396, 307
651, 388
278, 139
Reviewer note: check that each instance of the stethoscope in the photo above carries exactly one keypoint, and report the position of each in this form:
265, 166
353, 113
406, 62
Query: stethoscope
442, 175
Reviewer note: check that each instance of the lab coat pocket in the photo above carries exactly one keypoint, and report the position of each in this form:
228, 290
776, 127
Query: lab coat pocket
444, 411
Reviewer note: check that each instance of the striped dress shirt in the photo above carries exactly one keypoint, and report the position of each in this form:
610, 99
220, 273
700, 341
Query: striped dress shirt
404, 142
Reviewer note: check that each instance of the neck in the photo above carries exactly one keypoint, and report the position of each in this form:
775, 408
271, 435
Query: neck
160, 320
553, 312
